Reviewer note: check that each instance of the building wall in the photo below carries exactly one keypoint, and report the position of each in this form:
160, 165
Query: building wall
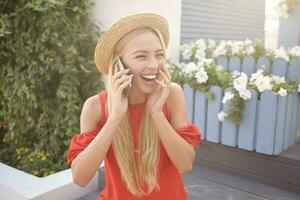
222, 20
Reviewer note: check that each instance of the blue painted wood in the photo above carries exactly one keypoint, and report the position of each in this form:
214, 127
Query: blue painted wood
297, 126
298, 117
279, 67
288, 120
263, 61
213, 108
280, 119
294, 69
223, 61
248, 65
266, 123
246, 129
294, 119
234, 64
189, 99
229, 129
200, 112
294, 73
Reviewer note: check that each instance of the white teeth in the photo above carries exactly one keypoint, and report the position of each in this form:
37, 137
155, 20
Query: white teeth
149, 76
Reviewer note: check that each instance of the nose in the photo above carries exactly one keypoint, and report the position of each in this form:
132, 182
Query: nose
153, 63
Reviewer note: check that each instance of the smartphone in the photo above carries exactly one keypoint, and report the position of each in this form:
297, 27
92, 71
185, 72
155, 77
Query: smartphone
121, 67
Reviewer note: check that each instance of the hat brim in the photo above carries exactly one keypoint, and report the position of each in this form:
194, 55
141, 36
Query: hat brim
104, 51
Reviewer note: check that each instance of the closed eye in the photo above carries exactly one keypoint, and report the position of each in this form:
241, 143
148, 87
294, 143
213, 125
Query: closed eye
141, 56
161, 54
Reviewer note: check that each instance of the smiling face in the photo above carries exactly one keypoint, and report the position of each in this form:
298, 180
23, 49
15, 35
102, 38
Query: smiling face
144, 55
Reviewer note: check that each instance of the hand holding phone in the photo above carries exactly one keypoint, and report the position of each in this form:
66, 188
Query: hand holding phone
121, 67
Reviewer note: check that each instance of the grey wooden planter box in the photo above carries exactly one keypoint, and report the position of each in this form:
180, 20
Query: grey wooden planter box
269, 125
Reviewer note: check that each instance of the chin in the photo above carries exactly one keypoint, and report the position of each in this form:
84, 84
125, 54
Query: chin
147, 89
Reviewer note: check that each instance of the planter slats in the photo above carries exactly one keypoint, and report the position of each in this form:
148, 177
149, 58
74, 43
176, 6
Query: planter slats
279, 67
189, 98
263, 61
294, 118
246, 131
280, 120
294, 69
269, 125
288, 120
248, 66
200, 112
223, 61
213, 108
265, 128
228, 128
235, 64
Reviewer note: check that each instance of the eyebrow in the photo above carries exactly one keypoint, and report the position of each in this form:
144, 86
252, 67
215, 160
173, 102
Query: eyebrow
144, 51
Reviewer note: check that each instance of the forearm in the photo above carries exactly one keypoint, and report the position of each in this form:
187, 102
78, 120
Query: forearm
86, 164
180, 152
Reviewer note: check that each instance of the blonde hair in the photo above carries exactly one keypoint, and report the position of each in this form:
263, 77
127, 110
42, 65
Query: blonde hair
138, 168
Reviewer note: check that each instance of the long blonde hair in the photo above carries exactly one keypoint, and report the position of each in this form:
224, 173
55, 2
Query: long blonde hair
138, 168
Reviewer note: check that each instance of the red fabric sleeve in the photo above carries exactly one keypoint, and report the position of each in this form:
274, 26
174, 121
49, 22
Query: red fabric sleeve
79, 142
191, 134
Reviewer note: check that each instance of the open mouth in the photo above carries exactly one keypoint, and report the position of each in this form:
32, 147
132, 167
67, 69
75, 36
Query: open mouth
149, 78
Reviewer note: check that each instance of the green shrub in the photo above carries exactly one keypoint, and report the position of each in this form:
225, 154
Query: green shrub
47, 71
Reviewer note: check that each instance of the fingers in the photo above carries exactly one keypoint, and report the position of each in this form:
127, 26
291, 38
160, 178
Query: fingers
165, 78
121, 80
124, 84
165, 69
118, 74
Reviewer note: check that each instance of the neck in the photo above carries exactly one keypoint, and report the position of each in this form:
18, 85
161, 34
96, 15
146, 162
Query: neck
135, 97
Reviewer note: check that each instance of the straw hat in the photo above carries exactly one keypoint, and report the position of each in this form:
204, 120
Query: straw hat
104, 51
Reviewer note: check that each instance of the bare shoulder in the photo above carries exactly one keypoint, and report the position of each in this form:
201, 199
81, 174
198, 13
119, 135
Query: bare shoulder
175, 92
177, 106
90, 113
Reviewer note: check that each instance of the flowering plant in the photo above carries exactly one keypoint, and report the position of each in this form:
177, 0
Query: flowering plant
284, 7
202, 72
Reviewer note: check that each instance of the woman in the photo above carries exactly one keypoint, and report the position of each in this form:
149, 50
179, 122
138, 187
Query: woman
143, 137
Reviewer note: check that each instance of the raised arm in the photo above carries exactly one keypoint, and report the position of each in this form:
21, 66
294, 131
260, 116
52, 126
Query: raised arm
86, 164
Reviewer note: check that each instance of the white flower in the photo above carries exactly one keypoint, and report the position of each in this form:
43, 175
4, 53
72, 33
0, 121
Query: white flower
299, 87
235, 74
211, 44
281, 53
245, 94
201, 75
205, 61
282, 9
295, 51
227, 97
240, 82
247, 42
263, 83
236, 46
220, 50
282, 92
190, 67
200, 53
200, 44
278, 79
221, 116
256, 75
249, 50
187, 51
